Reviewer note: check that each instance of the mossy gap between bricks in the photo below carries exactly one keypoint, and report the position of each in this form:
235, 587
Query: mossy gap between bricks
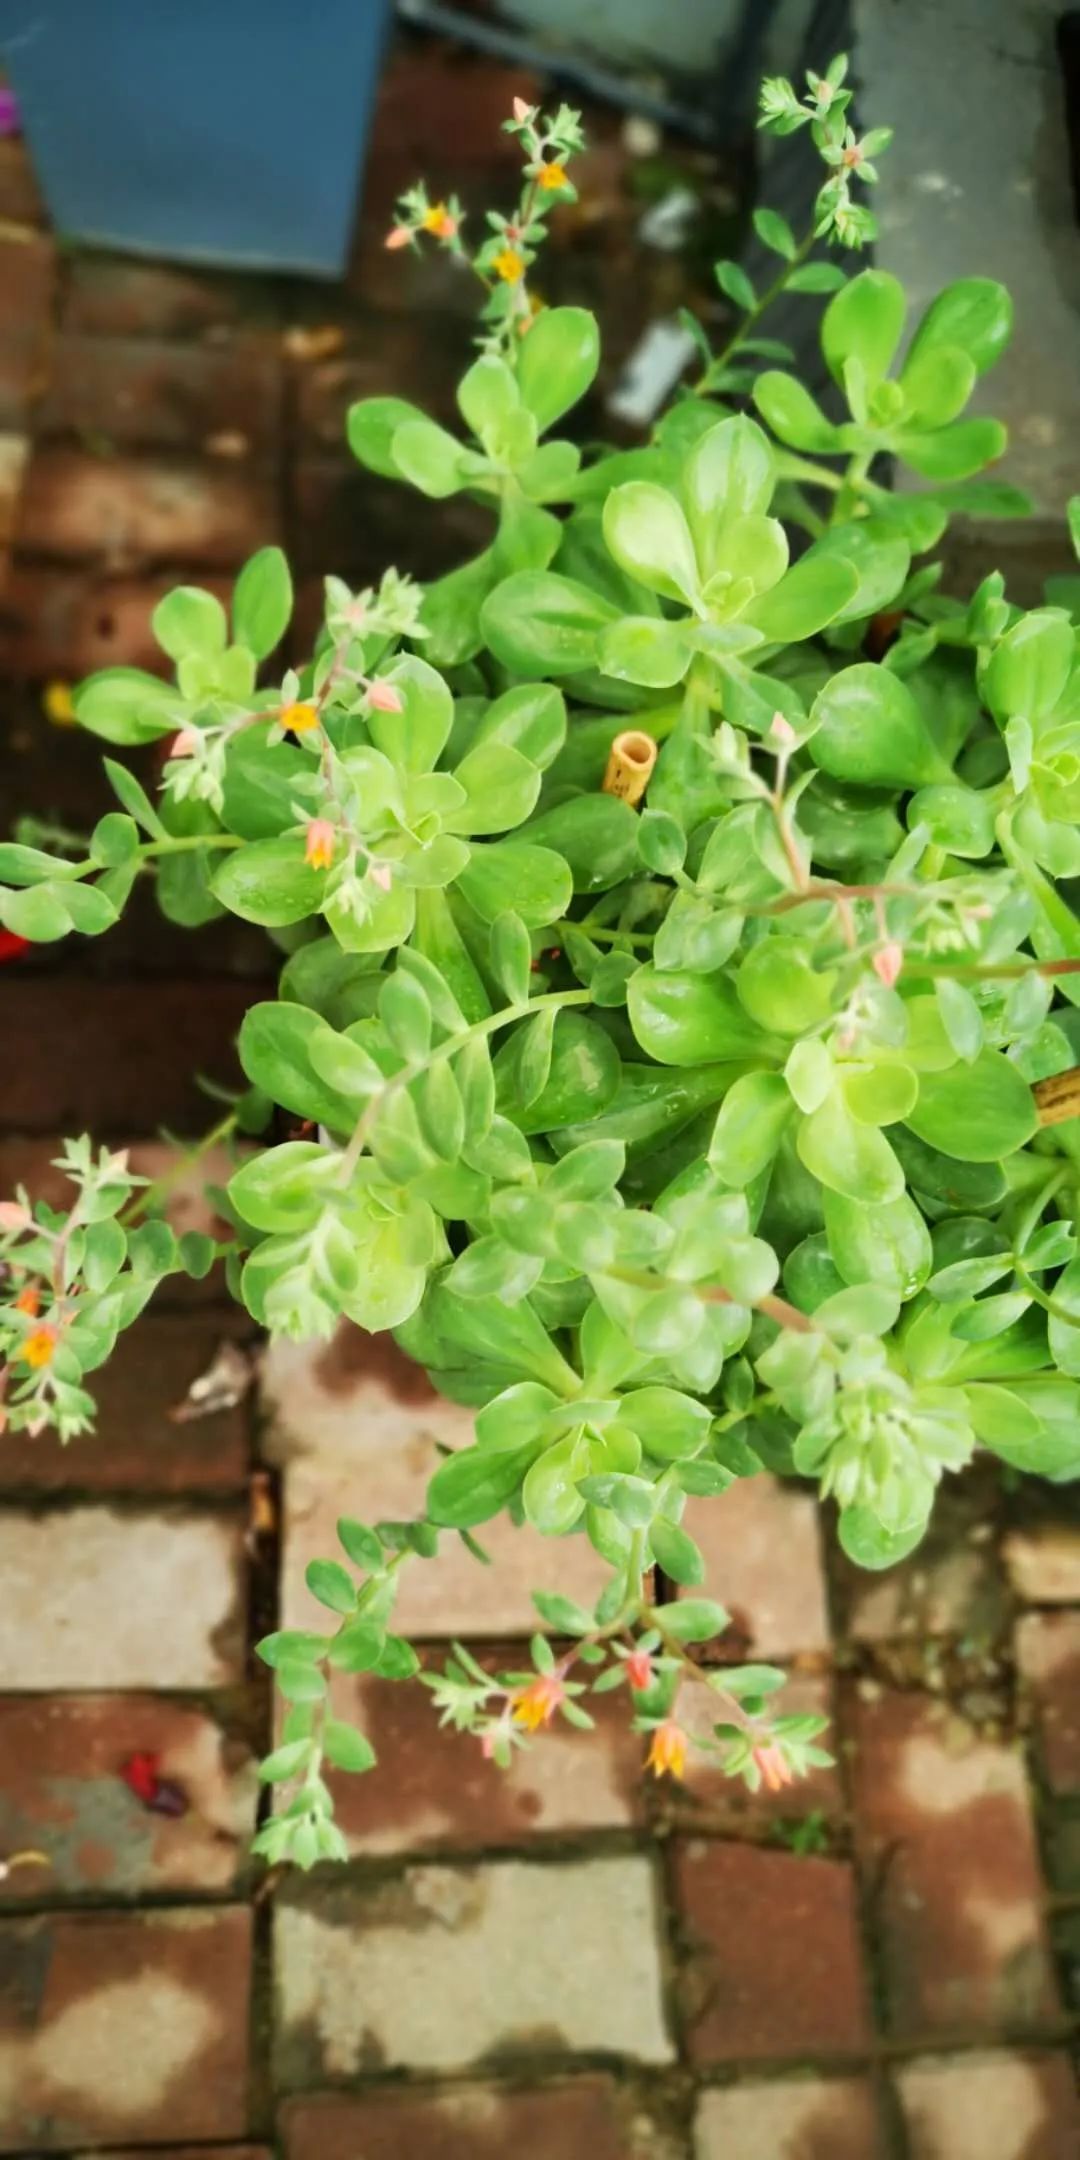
677, 1012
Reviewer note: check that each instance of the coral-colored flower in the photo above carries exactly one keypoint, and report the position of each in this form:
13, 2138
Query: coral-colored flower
14, 1216
536, 1704
552, 176
398, 236
381, 874
639, 1670
320, 844
382, 696
299, 718
667, 1752
38, 1348
185, 743
773, 1765
438, 220
887, 963
29, 1301
58, 704
508, 265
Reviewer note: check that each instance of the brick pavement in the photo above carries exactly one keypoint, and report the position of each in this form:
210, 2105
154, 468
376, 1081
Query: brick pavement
884, 1965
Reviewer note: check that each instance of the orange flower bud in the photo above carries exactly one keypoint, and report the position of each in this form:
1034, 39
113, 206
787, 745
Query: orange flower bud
522, 111
299, 718
667, 1753
398, 236
887, 963
773, 1765
38, 1348
14, 1216
438, 220
639, 1670
58, 704
185, 743
382, 696
321, 841
508, 265
536, 1704
29, 1301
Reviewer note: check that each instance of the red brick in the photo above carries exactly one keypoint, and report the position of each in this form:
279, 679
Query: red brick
165, 395
65, 623
112, 297
443, 1967
944, 1826
101, 1598
433, 1789
137, 1446
1048, 1655
990, 2107
1043, 1560
587, 2118
122, 2027
20, 196
117, 1057
125, 511
63, 1795
188, 2152
762, 1548
27, 276
952, 1586
800, 2118
706, 1797
774, 1968
356, 1416
14, 450
382, 352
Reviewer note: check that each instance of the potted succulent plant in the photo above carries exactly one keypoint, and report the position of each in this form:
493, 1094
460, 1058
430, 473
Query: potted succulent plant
679, 1007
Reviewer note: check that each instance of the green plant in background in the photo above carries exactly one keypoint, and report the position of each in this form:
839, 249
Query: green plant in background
727, 1134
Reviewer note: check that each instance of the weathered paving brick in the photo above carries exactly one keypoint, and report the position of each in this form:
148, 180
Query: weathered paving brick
762, 1551
795, 2119
104, 1056
127, 511
357, 1427
1048, 1656
943, 1822
448, 1966
118, 2028
161, 394
773, 1968
434, 1788
587, 2118
706, 1796
1043, 1560
952, 1586
99, 1599
63, 1795
136, 1445
1006, 2106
